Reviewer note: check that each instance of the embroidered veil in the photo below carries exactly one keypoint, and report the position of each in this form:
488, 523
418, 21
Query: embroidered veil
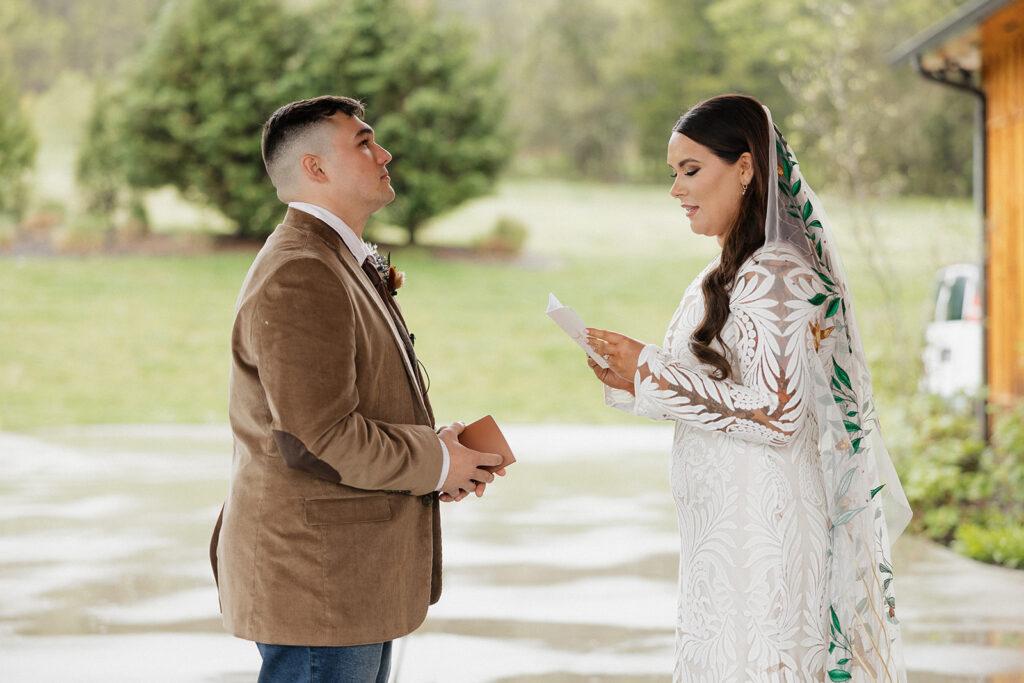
867, 507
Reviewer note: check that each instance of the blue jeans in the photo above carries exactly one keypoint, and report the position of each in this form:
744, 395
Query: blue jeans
354, 664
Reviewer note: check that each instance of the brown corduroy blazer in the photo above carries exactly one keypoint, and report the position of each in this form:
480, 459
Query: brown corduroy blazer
330, 534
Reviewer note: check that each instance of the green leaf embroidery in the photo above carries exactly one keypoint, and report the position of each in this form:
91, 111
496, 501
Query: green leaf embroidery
816, 223
831, 646
833, 306
845, 660
856, 443
841, 374
825, 279
835, 620
818, 299
846, 517
817, 247
839, 675
850, 426
796, 187
807, 209
844, 485
876, 490
883, 568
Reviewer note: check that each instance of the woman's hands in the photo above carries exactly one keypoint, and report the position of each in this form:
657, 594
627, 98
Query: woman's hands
622, 354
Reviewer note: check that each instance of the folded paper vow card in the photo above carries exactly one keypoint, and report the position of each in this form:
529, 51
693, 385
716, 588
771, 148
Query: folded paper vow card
573, 326
485, 436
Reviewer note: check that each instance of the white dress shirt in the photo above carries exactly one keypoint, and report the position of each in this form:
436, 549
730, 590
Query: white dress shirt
361, 252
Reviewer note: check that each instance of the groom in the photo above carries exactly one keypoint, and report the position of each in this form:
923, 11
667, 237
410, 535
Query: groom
329, 542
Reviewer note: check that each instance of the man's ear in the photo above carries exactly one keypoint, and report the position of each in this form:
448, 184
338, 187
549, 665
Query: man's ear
313, 168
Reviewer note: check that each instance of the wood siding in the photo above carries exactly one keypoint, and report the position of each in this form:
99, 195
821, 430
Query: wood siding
1002, 42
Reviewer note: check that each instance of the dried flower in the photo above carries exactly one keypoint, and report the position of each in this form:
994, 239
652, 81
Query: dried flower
395, 279
392, 277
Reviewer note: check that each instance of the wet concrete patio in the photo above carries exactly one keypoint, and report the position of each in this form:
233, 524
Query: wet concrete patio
564, 572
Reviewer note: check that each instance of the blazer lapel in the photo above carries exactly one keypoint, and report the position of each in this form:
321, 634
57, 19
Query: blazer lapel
303, 220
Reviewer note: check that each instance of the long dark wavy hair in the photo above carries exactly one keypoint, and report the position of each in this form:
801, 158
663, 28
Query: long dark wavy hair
730, 125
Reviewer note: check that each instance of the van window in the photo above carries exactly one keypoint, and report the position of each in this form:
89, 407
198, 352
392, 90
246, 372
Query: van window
955, 307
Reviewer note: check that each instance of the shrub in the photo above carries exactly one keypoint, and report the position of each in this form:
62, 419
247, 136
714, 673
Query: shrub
966, 493
1000, 545
507, 236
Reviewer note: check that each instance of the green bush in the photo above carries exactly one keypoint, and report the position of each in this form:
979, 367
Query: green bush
999, 545
507, 236
965, 493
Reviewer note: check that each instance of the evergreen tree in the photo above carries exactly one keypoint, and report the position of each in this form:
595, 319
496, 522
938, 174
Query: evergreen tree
17, 149
433, 108
99, 163
193, 106
195, 102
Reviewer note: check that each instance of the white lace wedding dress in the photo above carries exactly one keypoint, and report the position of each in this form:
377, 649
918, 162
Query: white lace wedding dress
746, 479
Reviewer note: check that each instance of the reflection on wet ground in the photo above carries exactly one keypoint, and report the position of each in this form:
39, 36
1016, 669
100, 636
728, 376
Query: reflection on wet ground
564, 572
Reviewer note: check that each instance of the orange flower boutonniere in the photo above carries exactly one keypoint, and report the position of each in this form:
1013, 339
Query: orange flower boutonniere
392, 277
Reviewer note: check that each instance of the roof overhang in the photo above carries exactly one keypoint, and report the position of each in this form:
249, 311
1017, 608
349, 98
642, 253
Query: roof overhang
951, 44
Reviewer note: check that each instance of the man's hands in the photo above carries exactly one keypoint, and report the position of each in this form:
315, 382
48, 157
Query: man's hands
464, 473
622, 354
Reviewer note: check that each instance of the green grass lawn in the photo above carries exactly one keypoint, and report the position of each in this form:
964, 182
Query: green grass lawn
145, 338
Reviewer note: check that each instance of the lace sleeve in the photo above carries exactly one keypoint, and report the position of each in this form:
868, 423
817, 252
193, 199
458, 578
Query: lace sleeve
771, 307
620, 400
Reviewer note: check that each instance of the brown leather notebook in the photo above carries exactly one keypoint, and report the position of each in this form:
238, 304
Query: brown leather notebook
485, 436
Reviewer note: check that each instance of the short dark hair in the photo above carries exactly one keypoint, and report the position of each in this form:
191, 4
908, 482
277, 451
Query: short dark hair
295, 117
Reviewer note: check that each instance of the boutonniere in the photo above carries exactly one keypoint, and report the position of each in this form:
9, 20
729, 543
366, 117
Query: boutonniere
392, 277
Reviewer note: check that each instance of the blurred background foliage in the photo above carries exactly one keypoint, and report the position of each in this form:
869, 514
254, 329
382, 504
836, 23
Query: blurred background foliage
188, 110
124, 121
464, 89
965, 492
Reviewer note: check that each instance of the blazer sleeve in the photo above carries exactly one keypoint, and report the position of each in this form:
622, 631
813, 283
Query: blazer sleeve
303, 332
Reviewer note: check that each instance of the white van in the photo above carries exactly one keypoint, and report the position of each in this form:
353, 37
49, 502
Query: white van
954, 340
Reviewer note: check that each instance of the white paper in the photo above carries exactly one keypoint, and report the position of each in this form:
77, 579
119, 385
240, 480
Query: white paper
573, 326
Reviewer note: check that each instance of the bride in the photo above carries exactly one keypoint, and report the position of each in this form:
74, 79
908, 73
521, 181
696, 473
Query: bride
787, 499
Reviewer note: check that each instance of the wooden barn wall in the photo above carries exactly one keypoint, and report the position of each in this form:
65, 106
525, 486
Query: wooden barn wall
1002, 39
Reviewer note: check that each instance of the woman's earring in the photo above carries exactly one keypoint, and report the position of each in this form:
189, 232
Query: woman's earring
745, 186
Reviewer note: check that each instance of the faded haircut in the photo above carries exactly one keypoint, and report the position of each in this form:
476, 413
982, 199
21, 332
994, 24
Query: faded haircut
294, 121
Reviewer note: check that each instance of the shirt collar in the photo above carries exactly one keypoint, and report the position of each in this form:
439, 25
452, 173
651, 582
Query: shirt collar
348, 236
